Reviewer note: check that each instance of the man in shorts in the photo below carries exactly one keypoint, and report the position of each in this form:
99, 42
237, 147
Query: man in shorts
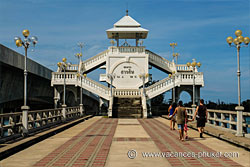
181, 117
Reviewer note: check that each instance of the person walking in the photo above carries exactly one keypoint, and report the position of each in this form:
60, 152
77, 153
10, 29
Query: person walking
181, 117
171, 110
201, 114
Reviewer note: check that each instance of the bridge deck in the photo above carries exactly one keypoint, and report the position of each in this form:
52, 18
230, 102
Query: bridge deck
106, 142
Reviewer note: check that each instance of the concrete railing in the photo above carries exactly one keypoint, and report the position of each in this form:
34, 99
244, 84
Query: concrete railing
127, 93
223, 119
73, 67
160, 61
183, 67
11, 123
93, 62
58, 78
87, 83
168, 83
94, 87
127, 49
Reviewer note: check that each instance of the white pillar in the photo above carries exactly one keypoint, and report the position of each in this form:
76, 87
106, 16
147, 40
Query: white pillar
25, 110
64, 112
110, 106
239, 110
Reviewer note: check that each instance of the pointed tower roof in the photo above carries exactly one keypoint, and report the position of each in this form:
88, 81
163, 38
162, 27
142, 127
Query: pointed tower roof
127, 28
127, 21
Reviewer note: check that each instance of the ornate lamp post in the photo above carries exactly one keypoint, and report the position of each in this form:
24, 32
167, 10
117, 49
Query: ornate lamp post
237, 43
64, 66
79, 55
81, 104
143, 77
173, 45
25, 43
194, 65
111, 77
173, 77
176, 55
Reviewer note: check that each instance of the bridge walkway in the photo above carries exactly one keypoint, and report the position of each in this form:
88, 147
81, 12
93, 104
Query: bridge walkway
105, 142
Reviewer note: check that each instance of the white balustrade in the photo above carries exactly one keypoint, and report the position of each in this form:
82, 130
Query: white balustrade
183, 68
127, 93
167, 83
223, 119
160, 61
11, 123
73, 67
94, 61
94, 87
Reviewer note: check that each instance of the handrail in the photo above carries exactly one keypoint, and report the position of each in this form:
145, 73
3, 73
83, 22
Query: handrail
153, 57
95, 87
167, 83
11, 123
223, 119
95, 58
127, 92
183, 67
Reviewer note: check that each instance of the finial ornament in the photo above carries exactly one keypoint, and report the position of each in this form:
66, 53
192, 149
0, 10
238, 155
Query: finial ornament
127, 12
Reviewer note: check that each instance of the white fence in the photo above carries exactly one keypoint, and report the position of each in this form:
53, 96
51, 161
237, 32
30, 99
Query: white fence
226, 120
127, 93
11, 123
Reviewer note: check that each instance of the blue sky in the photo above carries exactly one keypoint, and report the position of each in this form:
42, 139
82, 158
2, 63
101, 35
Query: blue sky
200, 27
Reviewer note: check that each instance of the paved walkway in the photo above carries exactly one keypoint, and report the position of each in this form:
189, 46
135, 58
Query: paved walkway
106, 142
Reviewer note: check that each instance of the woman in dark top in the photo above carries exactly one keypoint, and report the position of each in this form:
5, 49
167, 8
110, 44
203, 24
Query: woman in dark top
201, 113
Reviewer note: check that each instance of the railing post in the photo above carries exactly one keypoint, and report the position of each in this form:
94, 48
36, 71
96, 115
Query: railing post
25, 119
110, 106
64, 111
81, 109
215, 117
230, 121
222, 117
239, 110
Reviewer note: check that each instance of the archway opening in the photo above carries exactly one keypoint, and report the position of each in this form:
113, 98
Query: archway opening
186, 98
69, 99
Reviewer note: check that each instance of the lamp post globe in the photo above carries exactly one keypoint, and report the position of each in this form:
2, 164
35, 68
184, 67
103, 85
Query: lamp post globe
230, 40
246, 40
238, 33
26, 33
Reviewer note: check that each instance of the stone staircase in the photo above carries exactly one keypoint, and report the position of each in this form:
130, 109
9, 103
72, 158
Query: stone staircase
127, 108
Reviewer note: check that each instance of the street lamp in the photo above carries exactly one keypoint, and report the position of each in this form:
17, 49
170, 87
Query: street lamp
194, 65
63, 65
173, 45
173, 77
237, 43
25, 43
81, 104
176, 55
143, 77
79, 55
111, 77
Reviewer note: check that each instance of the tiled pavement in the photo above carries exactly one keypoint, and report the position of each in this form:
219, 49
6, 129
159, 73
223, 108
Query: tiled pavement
88, 148
167, 141
91, 146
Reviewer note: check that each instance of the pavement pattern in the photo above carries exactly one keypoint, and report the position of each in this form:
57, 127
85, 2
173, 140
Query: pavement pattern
167, 141
88, 148
101, 142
